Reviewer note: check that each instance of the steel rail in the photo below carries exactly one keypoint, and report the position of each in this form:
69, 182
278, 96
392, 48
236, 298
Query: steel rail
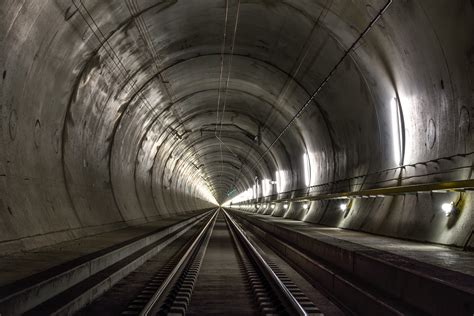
267, 270
156, 297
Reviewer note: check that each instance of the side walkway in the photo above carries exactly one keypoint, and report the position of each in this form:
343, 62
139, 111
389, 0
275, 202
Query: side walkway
426, 276
34, 276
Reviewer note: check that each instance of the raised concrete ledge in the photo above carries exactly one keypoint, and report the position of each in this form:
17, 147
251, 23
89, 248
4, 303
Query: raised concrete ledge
28, 292
51, 238
424, 286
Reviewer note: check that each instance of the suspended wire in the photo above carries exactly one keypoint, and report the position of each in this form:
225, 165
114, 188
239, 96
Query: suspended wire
142, 27
323, 83
222, 65
224, 40
286, 85
134, 11
230, 63
236, 24
117, 61
104, 43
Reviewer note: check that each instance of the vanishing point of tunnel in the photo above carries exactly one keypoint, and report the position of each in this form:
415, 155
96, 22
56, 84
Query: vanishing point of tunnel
236, 157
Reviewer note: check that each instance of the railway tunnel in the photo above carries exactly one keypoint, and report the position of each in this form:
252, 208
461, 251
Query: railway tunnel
236, 156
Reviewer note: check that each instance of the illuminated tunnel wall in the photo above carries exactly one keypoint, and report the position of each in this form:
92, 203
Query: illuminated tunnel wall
116, 113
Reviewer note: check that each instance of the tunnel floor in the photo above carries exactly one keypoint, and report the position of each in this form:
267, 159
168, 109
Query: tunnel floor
18, 266
221, 284
450, 258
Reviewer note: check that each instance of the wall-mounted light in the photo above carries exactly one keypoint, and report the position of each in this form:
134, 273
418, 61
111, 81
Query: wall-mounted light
285, 206
397, 131
306, 169
305, 206
280, 181
264, 205
343, 206
448, 208
272, 206
266, 187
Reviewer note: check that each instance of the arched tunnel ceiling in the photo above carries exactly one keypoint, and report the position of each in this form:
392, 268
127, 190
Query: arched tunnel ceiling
146, 108
208, 64
185, 65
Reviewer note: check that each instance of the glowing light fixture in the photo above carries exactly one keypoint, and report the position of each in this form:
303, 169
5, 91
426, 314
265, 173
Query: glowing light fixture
397, 136
305, 206
307, 169
272, 206
448, 208
343, 206
280, 181
266, 187
285, 206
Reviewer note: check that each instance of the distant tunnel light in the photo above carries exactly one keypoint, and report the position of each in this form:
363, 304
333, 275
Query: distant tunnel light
280, 181
266, 187
272, 206
343, 206
448, 208
307, 169
243, 196
397, 137
285, 206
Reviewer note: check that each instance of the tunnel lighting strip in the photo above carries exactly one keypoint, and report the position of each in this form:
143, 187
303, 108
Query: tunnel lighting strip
307, 169
413, 165
279, 176
439, 187
460, 189
397, 133
325, 81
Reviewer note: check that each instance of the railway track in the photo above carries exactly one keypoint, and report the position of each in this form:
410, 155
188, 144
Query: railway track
210, 265
220, 271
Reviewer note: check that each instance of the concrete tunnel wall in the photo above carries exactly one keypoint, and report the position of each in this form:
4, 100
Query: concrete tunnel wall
109, 110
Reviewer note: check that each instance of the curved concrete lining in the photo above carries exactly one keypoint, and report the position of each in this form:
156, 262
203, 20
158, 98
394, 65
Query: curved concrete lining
109, 110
